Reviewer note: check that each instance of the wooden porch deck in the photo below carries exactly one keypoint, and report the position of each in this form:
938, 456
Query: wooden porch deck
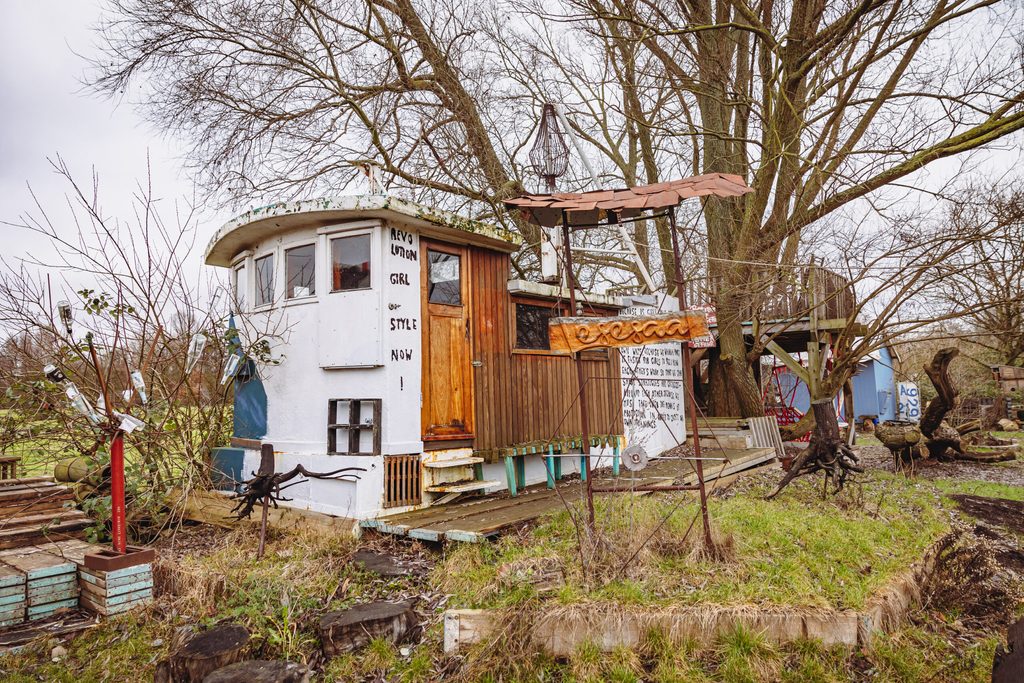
485, 517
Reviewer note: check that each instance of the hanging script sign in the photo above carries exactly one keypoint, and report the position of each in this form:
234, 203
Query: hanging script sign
580, 334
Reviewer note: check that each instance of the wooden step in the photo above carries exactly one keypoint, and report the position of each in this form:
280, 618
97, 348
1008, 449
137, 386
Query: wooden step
462, 486
23, 536
455, 462
40, 520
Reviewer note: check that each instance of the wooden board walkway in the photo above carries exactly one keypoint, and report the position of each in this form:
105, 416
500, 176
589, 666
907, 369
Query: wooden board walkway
481, 518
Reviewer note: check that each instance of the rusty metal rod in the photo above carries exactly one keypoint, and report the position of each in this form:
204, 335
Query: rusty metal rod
691, 395
581, 379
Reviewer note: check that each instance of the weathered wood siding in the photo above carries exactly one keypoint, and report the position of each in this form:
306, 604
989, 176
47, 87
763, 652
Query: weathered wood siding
525, 397
491, 329
545, 391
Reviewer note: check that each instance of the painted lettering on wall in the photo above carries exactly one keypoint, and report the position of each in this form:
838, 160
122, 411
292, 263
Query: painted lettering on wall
652, 391
401, 354
400, 279
403, 324
403, 245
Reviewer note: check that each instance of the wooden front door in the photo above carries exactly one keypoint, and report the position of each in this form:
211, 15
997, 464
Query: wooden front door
447, 374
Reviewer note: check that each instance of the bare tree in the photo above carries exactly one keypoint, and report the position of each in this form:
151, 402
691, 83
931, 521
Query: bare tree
127, 294
816, 104
991, 288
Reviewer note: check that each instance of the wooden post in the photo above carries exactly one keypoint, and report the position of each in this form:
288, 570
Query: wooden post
266, 469
690, 398
549, 465
581, 380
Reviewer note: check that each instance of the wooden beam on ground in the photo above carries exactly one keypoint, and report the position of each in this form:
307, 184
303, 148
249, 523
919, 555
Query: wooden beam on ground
209, 507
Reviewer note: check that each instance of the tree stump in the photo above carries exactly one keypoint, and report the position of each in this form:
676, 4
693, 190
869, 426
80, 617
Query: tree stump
351, 629
208, 651
260, 671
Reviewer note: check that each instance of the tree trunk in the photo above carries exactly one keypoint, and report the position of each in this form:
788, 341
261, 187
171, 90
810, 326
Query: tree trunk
732, 389
826, 452
260, 671
941, 437
207, 652
352, 629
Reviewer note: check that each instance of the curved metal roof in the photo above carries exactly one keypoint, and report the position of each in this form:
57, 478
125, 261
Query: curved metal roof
252, 227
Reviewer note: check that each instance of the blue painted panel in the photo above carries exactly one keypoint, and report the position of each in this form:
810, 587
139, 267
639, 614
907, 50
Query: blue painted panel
792, 386
250, 404
226, 468
865, 395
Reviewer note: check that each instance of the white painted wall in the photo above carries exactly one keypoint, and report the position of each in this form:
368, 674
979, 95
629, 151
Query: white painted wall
651, 382
350, 344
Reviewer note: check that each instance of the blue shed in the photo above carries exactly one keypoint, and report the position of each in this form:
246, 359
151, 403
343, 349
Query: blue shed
874, 386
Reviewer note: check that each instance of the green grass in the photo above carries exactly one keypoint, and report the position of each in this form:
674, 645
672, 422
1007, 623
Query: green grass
988, 489
795, 550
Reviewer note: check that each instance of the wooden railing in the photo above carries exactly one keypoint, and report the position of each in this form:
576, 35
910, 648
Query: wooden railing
783, 294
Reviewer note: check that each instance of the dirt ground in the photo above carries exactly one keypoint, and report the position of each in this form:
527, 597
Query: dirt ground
1010, 473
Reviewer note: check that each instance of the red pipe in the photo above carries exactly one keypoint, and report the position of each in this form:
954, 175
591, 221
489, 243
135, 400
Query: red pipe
117, 509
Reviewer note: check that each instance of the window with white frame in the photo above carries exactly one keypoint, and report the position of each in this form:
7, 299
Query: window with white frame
264, 269
239, 285
300, 271
350, 262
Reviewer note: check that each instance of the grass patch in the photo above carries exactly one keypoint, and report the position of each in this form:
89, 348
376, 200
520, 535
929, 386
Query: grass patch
988, 489
795, 550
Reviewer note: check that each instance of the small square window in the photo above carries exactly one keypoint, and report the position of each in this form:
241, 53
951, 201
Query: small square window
264, 280
444, 278
350, 263
532, 326
300, 269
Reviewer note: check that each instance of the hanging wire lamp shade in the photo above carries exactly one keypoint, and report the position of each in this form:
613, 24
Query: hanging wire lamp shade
549, 155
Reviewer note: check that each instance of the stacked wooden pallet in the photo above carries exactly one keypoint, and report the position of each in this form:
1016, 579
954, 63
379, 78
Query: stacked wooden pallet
116, 591
12, 596
35, 510
51, 582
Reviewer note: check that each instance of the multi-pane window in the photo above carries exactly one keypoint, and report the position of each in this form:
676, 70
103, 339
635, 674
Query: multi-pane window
532, 326
444, 278
350, 263
300, 271
264, 268
238, 286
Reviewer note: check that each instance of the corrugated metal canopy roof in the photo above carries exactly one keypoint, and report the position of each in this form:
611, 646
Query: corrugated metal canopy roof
589, 208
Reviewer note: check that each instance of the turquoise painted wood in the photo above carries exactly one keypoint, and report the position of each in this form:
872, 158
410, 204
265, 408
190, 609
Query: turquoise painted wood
615, 459
137, 596
12, 590
141, 584
119, 573
549, 466
521, 470
43, 611
425, 534
37, 584
53, 596
12, 599
12, 622
13, 611
583, 468
9, 576
123, 607
115, 581
465, 536
55, 570
510, 475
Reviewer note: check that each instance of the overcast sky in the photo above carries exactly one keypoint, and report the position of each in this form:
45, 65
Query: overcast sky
46, 112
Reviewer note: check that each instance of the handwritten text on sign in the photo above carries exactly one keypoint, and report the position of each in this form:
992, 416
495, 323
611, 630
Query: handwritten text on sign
580, 334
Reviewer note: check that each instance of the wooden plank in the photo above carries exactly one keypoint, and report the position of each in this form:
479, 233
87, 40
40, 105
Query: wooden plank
58, 595
113, 581
38, 565
15, 598
43, 611
22, 536
10, 577
571, 335
104, 596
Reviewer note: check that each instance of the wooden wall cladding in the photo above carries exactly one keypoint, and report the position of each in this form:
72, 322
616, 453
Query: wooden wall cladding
527, 397
491, 327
